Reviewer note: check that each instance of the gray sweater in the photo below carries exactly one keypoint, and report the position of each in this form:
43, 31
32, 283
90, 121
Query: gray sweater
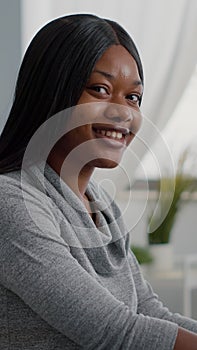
66, 283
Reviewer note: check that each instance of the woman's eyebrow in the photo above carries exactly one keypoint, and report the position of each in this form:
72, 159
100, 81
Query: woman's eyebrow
110, 76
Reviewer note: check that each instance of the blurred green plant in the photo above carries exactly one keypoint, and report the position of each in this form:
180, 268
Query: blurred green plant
182, 182
142, 254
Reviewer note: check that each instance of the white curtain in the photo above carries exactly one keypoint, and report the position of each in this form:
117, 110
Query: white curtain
165, 32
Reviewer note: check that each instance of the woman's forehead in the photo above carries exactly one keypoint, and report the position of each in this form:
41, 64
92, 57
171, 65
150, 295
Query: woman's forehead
115, 62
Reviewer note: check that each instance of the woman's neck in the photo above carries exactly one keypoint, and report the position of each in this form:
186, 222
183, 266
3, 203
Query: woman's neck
77, 179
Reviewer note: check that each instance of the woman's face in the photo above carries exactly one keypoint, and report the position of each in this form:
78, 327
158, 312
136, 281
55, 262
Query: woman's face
109, 111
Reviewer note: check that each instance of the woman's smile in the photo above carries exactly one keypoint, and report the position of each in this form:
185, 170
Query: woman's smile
107, 115
109, 107
114, 136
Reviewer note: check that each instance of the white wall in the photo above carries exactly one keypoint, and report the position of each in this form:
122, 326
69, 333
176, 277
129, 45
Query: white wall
10, 53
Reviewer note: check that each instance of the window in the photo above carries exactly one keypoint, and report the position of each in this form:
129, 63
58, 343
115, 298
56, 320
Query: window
180, 133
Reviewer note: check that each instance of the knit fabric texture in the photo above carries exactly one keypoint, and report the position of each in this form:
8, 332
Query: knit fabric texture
67, 282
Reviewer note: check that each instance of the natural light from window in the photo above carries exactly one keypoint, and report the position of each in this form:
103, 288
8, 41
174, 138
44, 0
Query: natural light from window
180, 132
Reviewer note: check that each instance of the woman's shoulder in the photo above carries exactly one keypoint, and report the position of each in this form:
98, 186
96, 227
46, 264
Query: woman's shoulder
23, 203
11, 202
16, 187
10, 182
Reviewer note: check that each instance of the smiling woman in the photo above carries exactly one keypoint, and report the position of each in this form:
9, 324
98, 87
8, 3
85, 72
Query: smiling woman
68, 279
115, 82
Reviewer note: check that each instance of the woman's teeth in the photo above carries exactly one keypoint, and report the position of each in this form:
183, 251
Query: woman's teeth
113, 134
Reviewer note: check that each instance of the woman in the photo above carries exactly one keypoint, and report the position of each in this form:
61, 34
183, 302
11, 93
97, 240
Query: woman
67, 277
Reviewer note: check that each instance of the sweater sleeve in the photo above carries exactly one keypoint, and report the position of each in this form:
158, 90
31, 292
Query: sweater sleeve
36, 265
149, 304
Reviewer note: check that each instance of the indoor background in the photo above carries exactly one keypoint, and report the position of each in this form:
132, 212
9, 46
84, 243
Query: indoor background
165, 32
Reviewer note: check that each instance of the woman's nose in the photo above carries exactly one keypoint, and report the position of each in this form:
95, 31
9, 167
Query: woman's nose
118, 113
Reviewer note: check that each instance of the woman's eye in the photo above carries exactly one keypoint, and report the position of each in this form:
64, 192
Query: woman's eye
134, 98
99, 89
